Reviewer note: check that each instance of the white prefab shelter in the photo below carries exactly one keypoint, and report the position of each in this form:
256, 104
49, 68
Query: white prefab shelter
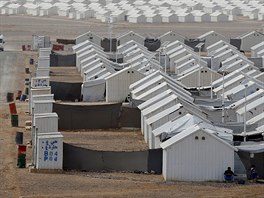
43, 62
37, 92
252, 110
128, 36
256, 49
153, 18
89, 36
14, 9
93, 90
200, 16
136, 18
117, 85
250, 39
185, 17
191, 79
43, 106
196, 155
46, 122
218, 17
49, 151
211, 38
169, 18
171, 37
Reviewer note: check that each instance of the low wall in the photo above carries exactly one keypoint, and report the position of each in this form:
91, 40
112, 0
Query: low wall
102, 116
58, 60
73, 117
130, 117
68, 91
77, 158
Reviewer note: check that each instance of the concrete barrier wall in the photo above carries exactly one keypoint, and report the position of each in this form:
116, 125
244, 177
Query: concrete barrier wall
58, 60
105, 116
67, 91
77, 158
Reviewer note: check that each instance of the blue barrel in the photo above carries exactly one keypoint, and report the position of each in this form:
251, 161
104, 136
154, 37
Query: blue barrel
31, 61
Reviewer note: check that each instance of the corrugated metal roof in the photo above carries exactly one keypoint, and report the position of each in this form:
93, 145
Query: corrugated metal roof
252, 105
233, 80
163, 114
256, 119
143, 80
155, 99
191, 130
158, 79
148, 92
249, 97
159, 104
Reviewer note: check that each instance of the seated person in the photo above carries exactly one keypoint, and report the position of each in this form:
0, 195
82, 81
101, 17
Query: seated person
253, 172
229, 174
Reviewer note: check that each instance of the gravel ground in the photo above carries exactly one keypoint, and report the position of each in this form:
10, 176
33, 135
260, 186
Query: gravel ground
16, 182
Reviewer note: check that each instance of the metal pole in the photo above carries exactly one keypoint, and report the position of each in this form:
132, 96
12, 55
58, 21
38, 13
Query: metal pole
165, 67
199, 73
211, 91
223, 99
245, 114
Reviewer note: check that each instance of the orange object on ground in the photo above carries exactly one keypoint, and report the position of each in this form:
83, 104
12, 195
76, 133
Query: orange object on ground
12, 108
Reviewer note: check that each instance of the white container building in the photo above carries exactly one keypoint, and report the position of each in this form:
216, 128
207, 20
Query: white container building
196, 155
136, 18
38, 91
184, 17
93, 90
49, 152
117, 85
42, 106
43, 62
219, 17
171, 37
129, 36
191, 79
39, 82
250, 39
94, 38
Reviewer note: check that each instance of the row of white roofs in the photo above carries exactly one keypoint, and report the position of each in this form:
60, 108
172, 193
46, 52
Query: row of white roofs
146, 12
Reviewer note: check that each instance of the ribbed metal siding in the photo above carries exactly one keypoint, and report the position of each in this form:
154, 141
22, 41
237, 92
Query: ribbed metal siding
197, 160
43, 143
46, 124
117, 88
43, 107
193, 79
155, 125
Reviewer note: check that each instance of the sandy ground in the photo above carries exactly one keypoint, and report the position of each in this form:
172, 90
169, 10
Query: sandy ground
16, 182
18, 30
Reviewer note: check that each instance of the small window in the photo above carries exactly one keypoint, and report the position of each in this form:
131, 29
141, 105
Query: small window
132, 72
205, 71
91, 37
196, 137
202, 71
203, 138
180, 113
128, 72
